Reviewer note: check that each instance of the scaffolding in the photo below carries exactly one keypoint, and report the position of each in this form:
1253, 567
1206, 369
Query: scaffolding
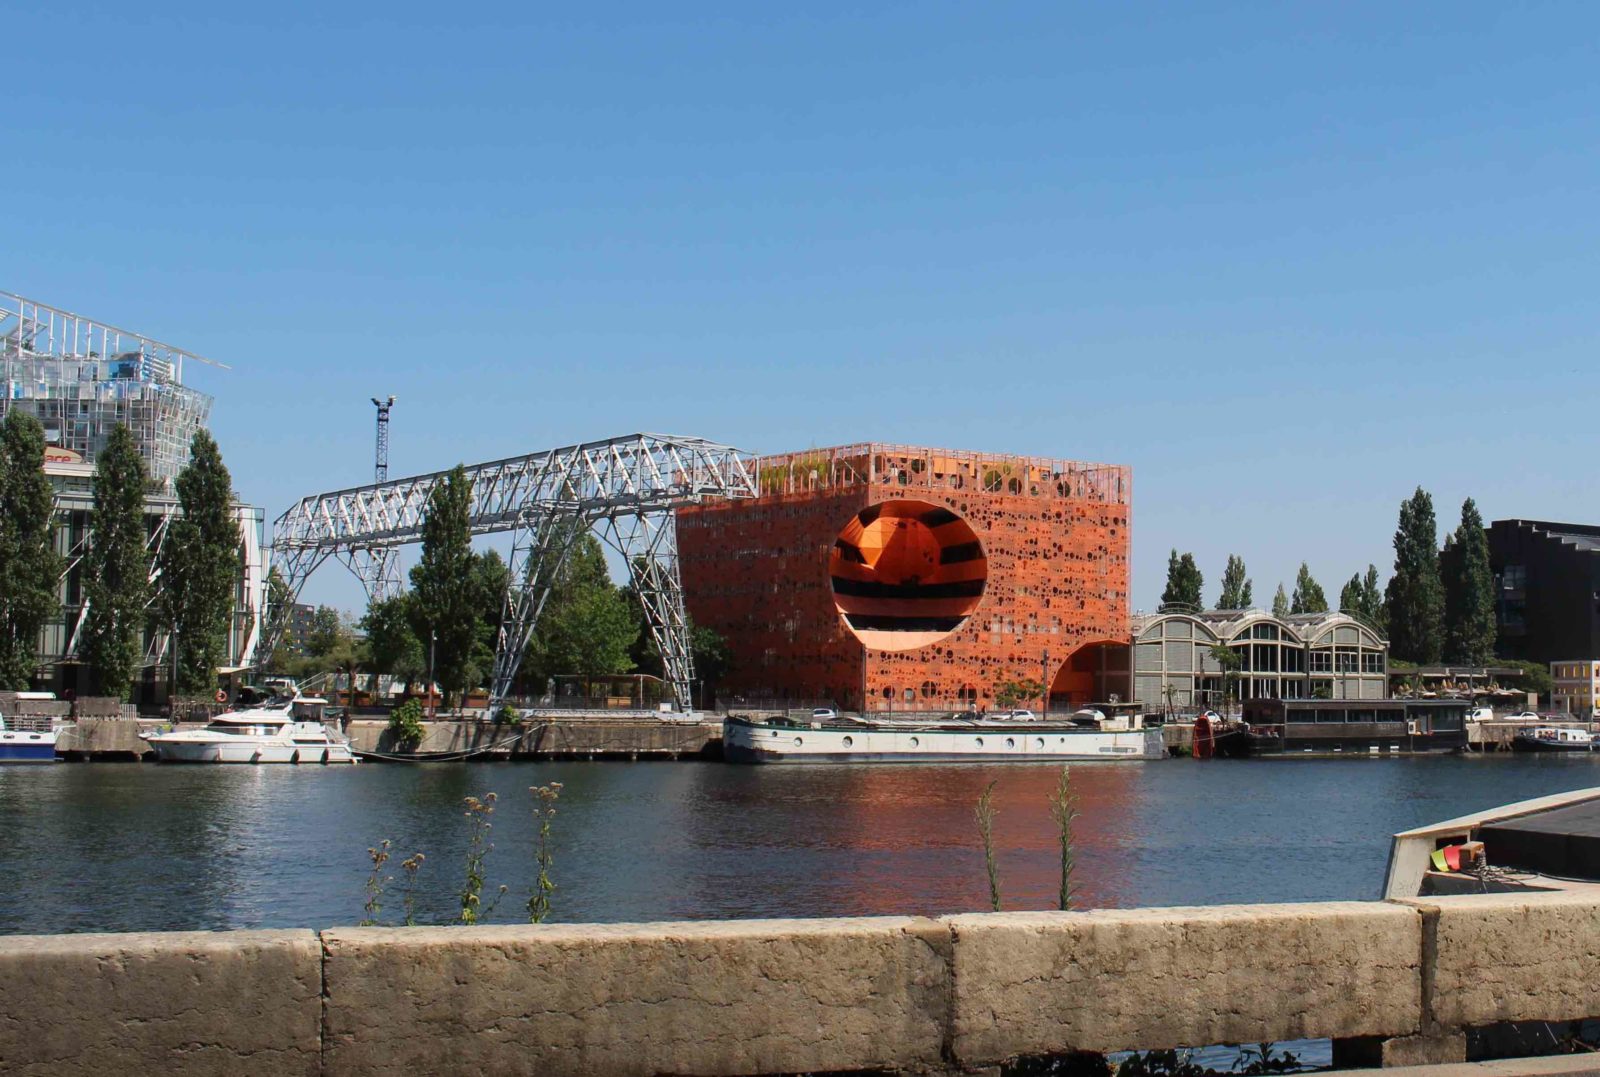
80, 378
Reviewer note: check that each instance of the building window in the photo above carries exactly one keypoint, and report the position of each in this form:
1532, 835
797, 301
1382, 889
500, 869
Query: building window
1321, 661
1371, 662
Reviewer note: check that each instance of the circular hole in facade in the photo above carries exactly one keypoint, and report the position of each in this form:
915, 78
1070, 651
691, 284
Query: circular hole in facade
906, 574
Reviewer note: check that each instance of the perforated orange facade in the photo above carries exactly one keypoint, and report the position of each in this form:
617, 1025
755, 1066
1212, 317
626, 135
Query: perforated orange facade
881, 577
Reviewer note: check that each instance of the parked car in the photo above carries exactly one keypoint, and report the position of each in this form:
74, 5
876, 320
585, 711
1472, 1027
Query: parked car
823, 714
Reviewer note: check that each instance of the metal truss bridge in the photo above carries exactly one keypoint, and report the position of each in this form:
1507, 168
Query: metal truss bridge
623, 488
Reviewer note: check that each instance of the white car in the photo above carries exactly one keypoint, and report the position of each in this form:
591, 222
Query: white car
823, 714
1018, 716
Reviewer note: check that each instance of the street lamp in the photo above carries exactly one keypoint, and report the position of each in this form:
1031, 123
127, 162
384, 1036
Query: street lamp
433, 642
172, 689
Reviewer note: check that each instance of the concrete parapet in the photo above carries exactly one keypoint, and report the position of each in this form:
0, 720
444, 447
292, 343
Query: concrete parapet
1041, 983
1392, 983
242, 1002
1512, 957
744, 997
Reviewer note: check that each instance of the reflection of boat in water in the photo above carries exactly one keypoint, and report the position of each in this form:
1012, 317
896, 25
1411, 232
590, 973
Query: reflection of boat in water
26, 745
285, 729
956, 739
1550, 738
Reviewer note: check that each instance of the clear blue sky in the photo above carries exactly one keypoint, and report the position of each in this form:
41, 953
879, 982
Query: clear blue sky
1287, 261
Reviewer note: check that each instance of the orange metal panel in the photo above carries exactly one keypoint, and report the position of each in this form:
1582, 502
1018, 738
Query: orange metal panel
1055, 538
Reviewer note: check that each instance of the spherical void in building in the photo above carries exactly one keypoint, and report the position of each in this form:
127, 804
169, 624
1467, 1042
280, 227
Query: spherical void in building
906, 574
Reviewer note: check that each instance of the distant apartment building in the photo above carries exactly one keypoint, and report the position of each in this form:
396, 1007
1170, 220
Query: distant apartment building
60, 668
298, 631
1301, 656
1575, 687
1547, 589
80, 379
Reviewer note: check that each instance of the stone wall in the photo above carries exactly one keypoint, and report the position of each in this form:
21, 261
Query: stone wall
942, 996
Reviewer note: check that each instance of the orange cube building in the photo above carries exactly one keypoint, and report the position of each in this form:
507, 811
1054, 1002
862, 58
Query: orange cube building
889, 578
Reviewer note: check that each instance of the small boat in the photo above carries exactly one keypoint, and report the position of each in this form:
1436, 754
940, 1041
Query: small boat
26, 745
281, 730
1549, 738
960, 738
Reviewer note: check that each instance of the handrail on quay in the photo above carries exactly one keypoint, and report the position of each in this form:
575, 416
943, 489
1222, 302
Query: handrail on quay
1395, 982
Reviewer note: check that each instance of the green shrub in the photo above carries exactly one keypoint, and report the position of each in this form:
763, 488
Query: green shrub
405, 724
508, 716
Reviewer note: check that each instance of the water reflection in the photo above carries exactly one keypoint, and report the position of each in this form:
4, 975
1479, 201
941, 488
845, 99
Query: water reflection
99, 847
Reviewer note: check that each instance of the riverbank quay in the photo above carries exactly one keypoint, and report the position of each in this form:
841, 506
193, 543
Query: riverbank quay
553, 735
1391, 983
559, 735
1497, 736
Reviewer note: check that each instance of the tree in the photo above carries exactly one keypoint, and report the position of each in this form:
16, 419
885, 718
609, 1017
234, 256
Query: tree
445, 606
491, 578
590, 634
1008, 694
1468, 592
582, 572
1280, 604
324, 633
1414, 599
199, 566
1372, 601
117, 569
1230, 660
278, 600
1351, 595
1235, 587
1184, 581
392, 647
1308, 596
30, 568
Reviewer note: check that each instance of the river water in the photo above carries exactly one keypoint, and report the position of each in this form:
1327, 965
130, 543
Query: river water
122, 847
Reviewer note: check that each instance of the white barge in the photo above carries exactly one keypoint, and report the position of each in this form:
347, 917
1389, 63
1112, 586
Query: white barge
953, 740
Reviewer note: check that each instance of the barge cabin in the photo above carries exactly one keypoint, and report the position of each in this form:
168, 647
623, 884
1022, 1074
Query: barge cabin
1366, 727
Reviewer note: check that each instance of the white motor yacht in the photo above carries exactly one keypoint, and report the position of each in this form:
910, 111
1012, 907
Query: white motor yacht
281, 730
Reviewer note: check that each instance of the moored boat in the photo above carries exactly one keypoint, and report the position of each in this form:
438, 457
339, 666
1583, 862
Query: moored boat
957, 739
26, 745
282, 730
1553, 739
1350, 727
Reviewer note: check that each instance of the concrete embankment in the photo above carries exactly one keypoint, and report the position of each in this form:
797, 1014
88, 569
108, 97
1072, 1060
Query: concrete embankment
1395, 983
564, 736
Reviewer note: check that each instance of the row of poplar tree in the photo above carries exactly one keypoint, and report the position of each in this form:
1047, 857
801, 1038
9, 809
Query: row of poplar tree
187, 587
588, 626
1435, 607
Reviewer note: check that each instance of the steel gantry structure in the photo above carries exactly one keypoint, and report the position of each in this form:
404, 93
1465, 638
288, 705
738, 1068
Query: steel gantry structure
625, 488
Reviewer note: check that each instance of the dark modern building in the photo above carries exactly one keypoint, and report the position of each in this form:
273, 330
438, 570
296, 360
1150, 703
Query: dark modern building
1547, 590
